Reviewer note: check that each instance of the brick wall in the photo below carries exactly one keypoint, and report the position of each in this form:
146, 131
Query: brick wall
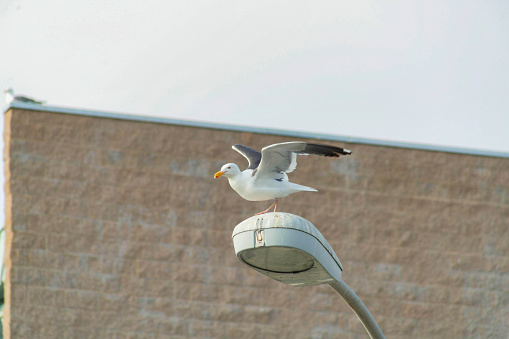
116, 229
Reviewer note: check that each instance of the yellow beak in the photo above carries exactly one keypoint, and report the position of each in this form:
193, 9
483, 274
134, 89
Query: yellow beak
218, 174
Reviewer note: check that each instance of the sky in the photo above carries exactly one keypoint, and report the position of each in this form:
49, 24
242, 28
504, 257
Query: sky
427, 72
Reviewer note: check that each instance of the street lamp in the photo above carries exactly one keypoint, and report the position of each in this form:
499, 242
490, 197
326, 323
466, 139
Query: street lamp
289, 249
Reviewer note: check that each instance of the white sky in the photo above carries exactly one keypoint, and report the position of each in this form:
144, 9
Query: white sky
431, 72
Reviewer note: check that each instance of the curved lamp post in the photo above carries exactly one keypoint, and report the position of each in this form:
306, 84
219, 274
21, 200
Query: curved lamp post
289, 249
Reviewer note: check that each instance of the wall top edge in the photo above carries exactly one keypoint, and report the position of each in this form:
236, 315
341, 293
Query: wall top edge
257, 130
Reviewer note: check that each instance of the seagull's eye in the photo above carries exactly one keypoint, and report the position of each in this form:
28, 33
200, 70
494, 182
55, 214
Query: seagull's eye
229, 167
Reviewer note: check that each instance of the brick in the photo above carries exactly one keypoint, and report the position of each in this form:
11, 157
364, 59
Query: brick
154, 269
83, 300
19, 294
41, 296
152, 233
45, 259
59, 242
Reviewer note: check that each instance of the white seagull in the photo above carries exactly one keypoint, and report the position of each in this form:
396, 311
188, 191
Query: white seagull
10, 97
266, 177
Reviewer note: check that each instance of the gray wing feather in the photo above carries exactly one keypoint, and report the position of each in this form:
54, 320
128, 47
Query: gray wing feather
27, 100
254, 157
282, 158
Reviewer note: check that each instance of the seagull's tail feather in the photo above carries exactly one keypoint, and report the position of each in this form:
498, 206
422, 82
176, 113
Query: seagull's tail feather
300, 188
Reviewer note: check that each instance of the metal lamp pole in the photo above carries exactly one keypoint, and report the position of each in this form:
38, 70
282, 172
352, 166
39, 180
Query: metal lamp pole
359, 308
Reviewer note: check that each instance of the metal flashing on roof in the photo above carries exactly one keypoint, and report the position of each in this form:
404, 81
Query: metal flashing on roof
258, 130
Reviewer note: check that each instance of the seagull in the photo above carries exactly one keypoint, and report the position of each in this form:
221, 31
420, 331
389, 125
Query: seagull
10, 97
266, 176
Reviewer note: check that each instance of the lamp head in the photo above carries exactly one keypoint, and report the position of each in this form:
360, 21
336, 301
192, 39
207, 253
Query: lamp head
287, 248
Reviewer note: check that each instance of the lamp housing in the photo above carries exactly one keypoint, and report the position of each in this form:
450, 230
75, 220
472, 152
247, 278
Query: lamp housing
287, 248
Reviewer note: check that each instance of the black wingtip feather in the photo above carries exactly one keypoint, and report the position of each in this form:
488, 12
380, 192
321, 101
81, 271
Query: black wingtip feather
325, 150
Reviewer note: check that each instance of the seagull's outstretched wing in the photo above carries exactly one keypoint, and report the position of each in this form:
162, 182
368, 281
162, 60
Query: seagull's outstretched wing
281, 158
27, 100
254, 157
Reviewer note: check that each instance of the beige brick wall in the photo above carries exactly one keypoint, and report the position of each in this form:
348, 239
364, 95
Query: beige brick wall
116, 229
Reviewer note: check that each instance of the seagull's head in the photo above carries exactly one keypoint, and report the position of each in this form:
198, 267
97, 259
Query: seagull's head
9, 90
228, 170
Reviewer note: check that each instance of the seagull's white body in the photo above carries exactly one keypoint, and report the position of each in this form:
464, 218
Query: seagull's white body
252, 188
9, 96
266, 177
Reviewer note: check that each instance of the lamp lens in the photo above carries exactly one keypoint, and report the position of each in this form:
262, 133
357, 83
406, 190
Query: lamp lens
278, 259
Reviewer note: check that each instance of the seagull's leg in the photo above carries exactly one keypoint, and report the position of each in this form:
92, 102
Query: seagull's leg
265, 210
275, 207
